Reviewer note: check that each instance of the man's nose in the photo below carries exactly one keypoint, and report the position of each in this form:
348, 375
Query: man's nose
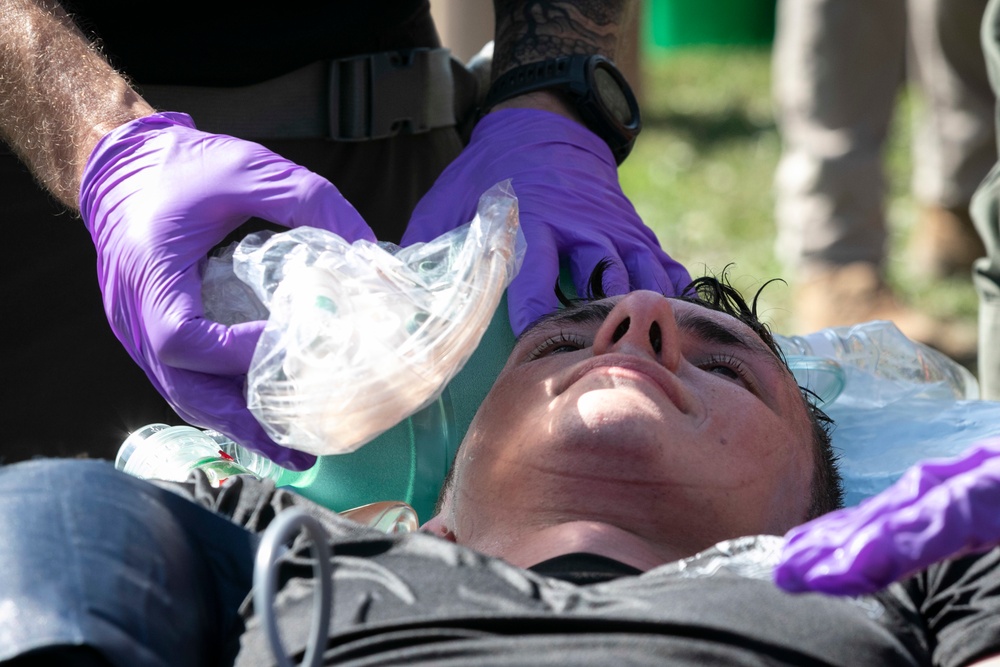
641, 323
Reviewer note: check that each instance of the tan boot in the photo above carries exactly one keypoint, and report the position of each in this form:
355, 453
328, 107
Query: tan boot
945, 243
856, 293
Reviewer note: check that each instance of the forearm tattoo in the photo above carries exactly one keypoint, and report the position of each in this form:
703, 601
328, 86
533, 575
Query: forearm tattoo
533, 30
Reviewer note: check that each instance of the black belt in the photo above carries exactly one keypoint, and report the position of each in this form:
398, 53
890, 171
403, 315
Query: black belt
373, 96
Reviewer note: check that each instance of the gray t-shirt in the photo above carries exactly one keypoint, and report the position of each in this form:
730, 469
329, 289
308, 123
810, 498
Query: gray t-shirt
419, 600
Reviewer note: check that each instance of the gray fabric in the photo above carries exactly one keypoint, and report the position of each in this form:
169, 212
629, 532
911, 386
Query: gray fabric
423, 601
155, 575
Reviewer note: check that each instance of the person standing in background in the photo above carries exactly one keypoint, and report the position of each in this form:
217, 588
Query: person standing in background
838, 67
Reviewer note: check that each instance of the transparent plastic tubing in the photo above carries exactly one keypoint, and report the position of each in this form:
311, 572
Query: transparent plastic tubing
159, 451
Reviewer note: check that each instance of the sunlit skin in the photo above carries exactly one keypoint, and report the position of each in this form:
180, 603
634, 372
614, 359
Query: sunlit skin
644, 442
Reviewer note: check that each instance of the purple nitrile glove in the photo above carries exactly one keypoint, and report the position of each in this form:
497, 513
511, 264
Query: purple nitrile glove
157, 195
938, 509
571, 207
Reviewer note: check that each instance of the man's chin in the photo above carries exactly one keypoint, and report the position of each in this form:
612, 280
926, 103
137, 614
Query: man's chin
598, 443
637, 410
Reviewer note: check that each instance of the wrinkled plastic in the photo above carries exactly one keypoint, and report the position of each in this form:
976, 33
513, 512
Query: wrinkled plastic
752, 557
878, 444
227, 299
361, 336
882, 365
941, 508
900, 401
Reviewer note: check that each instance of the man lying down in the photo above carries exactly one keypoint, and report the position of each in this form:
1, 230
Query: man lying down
616, 501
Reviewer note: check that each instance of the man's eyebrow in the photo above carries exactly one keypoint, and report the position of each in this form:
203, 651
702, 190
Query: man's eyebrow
589, 312
712, 331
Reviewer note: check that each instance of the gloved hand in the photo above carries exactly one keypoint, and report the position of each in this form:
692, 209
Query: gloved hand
571, 207
938, 509
157, 195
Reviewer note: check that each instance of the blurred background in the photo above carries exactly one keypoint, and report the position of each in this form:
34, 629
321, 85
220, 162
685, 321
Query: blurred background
702, 171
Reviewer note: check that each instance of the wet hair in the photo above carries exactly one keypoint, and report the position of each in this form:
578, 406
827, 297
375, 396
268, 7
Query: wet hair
716, 293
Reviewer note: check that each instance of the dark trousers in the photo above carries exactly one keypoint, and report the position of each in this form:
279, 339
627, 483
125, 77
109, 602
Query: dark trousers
108, 567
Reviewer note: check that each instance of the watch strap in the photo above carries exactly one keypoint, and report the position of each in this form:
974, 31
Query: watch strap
575, 77
554, 73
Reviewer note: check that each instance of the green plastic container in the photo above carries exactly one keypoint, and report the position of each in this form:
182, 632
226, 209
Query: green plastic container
672, 24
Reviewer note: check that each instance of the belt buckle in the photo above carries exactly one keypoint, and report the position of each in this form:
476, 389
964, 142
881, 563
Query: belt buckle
380, 95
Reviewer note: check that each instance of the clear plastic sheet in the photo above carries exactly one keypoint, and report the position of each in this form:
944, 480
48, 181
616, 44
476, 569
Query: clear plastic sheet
753, 557
362, 335
901, 402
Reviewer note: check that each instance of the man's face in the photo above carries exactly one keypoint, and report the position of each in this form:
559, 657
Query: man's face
662, 418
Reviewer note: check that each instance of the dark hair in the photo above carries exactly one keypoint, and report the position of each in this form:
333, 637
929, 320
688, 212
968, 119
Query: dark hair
717, 294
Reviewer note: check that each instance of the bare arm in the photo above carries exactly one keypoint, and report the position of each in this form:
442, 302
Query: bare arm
58, 95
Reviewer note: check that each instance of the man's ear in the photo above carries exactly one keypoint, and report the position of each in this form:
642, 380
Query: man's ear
437, 526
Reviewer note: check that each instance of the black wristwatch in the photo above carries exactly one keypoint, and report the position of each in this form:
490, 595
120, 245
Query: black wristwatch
594, 86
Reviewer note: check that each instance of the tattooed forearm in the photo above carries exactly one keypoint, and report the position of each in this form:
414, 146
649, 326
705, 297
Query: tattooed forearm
533, 30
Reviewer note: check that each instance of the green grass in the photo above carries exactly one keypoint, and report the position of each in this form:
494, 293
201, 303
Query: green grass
702, 170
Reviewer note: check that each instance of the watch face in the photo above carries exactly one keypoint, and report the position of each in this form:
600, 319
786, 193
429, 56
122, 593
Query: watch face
610, 91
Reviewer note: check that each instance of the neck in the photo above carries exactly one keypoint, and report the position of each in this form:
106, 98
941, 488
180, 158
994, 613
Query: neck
589, 537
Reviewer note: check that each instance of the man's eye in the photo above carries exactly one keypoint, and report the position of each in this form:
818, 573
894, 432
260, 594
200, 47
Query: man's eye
558, 344
727, 366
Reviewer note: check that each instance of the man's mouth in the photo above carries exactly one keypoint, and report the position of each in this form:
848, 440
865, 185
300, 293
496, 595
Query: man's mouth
633, 368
